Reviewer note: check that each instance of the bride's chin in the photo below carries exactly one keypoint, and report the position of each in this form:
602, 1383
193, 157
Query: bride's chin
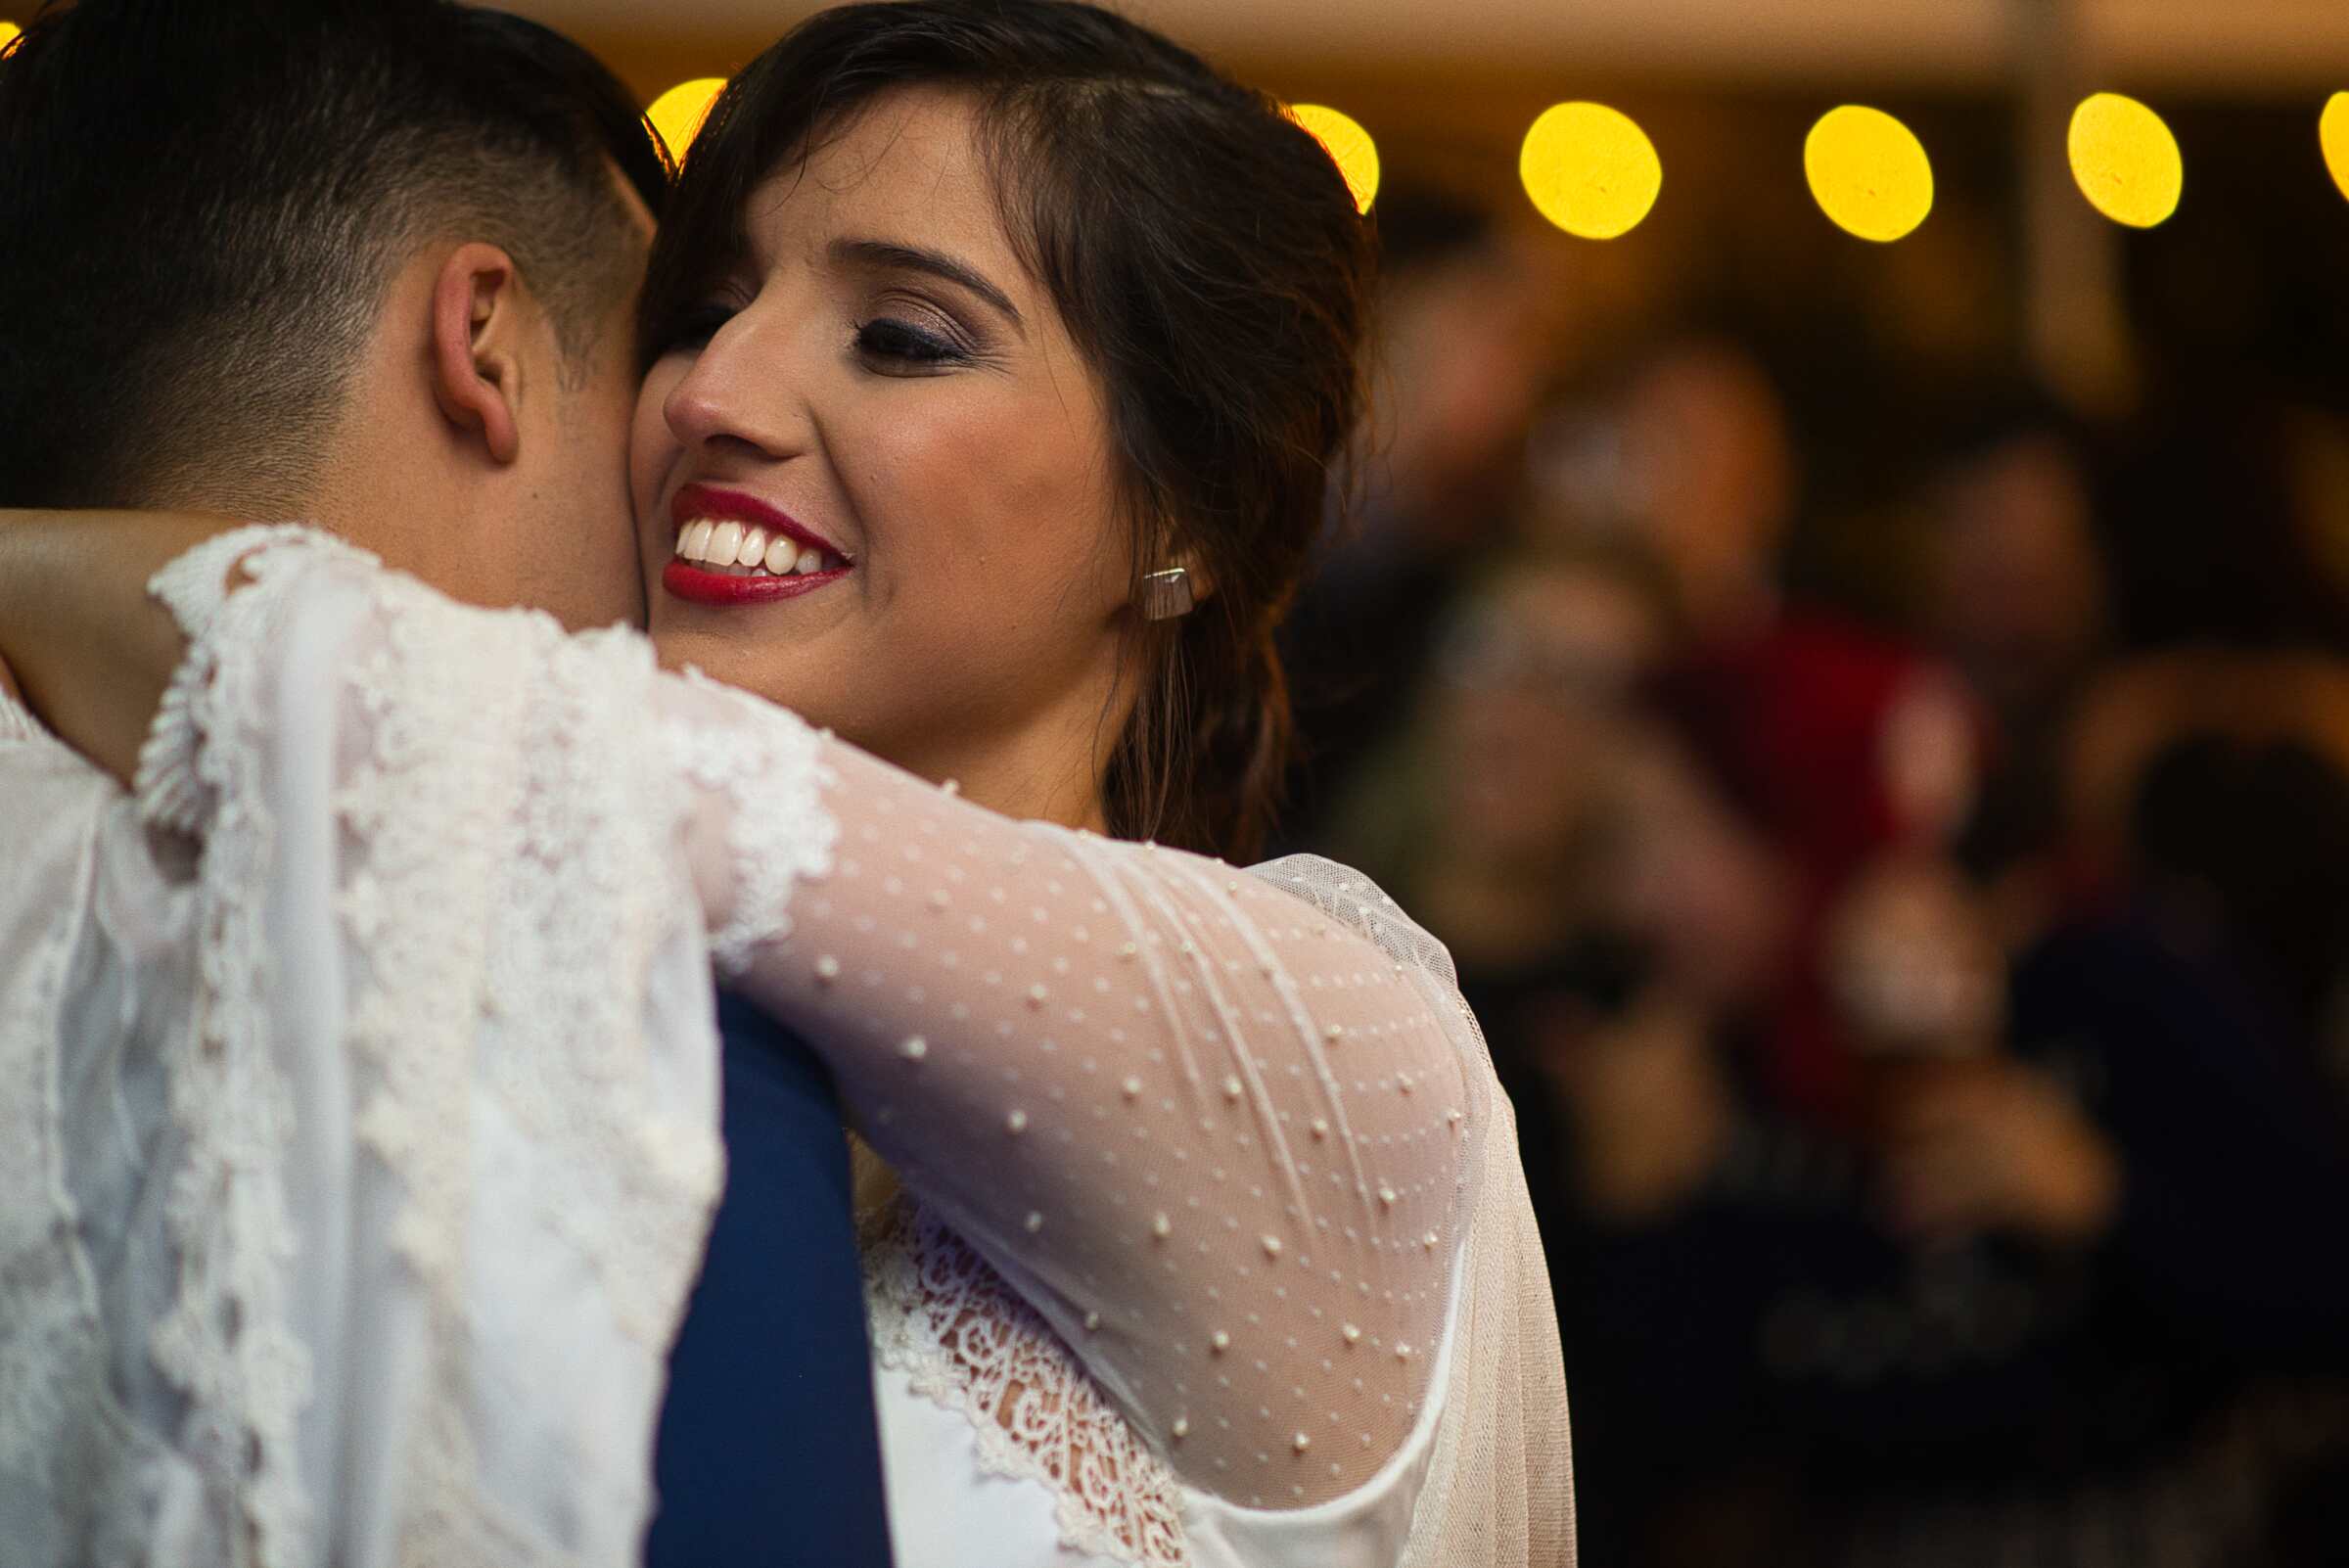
757, 666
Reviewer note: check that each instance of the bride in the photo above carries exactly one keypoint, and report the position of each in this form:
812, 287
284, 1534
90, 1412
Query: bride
998, 352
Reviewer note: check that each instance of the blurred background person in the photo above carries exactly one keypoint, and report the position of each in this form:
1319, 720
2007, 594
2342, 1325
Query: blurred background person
1838, 742
2013, 590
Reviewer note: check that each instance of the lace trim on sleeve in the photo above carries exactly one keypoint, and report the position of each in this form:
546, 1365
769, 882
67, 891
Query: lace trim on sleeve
516, 938
528, 1029
227, 1339
170, 796
195, 587
943, 1316
769, 766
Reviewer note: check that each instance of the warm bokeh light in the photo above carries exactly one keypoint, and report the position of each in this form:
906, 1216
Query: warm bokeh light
678, 112
1590, 169
1350, 147
2126, 160
9, 31
2332, 134
1868, 173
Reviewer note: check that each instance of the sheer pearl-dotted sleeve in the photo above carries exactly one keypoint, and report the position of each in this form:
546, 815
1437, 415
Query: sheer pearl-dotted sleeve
1222, 1140
1214, 1136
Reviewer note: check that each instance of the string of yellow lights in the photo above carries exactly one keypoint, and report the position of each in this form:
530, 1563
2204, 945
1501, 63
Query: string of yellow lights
1594, 173
1590, 169
1868, 173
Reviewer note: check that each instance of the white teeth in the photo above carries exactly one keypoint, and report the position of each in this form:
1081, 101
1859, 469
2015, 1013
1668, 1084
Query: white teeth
730, 544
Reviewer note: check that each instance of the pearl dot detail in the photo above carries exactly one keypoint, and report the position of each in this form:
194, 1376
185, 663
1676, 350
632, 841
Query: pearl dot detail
1180, 1040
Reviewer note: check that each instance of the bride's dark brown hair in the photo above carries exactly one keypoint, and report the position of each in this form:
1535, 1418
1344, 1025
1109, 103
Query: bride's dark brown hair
1209, 262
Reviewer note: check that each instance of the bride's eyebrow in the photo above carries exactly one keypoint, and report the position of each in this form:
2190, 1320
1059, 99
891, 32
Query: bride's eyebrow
893, 254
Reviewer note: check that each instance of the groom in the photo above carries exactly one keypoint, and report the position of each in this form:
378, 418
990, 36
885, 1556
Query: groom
373, 265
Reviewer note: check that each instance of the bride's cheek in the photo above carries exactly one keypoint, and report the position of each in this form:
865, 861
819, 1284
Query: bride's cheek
651, 447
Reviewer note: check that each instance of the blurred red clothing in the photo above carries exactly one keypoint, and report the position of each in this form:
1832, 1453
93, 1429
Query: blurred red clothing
1839, 744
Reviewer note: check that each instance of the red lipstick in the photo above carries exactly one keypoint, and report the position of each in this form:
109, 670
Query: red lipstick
702, 586
699, 583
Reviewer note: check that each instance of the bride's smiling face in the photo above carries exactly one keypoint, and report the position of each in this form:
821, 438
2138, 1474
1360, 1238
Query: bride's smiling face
883, 405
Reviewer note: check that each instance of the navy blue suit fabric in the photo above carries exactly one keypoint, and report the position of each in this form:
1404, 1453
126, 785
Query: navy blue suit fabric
768, 1452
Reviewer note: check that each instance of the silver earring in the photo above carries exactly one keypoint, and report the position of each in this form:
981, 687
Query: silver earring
1167, 594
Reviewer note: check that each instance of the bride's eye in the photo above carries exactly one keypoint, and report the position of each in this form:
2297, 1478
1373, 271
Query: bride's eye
904, 347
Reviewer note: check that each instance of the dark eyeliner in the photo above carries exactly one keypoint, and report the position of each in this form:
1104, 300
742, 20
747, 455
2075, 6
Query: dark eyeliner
888, 337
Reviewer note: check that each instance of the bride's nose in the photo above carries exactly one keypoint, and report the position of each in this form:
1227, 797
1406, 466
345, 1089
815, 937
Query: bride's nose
737, 392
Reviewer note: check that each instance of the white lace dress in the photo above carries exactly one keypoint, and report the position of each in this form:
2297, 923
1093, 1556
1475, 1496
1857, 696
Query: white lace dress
1218, 1252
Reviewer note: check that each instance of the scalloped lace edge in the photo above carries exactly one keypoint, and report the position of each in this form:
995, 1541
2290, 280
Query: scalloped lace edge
968, 1343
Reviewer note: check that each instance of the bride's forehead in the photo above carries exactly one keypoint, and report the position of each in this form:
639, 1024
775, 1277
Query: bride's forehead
910, 152
906, 172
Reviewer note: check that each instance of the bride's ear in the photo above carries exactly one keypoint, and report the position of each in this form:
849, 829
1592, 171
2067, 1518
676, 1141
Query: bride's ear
1177, 584
1195, 568
480, 330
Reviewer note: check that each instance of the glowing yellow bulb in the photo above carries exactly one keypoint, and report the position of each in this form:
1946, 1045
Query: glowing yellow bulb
9, 32
1350, 147
1590, 169
2126, 160
1868, 173
677, 113
2332, 134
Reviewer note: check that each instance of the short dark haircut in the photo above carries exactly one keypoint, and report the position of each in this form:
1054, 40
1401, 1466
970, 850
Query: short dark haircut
1209, 262
206, 200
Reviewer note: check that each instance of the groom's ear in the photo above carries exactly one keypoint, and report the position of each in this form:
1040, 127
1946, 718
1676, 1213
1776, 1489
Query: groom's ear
483, 325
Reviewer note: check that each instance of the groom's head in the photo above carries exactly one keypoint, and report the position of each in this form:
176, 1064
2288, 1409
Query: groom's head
367, 262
